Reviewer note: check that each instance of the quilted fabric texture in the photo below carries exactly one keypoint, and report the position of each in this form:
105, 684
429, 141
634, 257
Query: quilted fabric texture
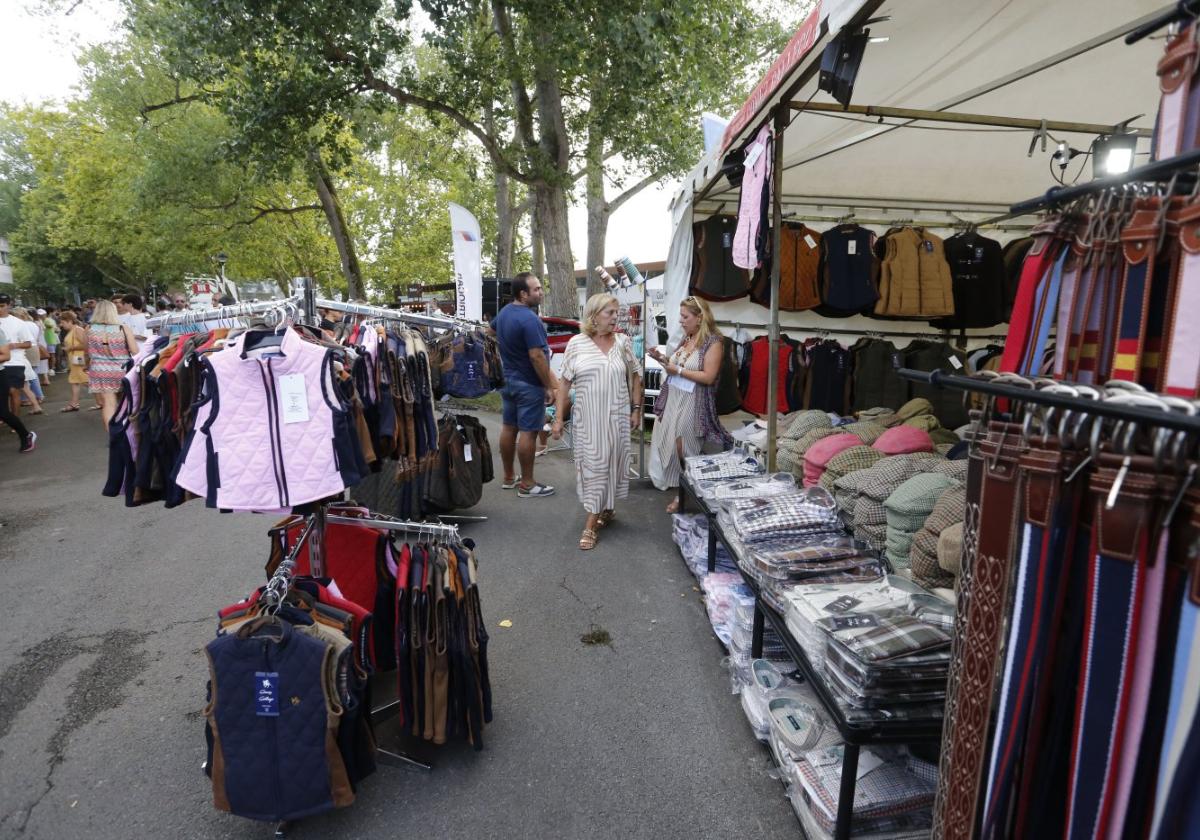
818, 455
907, 508
811, 437
847, 461
900, 440
950, 509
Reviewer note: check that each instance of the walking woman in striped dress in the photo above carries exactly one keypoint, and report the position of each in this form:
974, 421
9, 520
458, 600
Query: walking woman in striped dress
599, 365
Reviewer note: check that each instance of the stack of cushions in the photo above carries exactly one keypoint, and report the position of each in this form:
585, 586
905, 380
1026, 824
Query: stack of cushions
818, 455
848, 461
870, 516
907, 508
949, 551
901, 440
924, 422
950, 509
951, 469
913, 408
803, 422
879, 415
940, 436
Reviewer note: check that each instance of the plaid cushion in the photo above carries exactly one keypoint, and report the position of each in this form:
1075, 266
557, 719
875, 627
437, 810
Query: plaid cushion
940, 436
949, 550
809, 438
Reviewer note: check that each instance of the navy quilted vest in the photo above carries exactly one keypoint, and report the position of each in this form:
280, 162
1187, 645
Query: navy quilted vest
274, 728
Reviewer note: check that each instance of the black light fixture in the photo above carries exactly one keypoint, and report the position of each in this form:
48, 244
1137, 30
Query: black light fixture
841, 59
1113, 154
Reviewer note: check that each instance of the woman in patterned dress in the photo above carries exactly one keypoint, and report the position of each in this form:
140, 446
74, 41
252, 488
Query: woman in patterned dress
686, 409
600, 366
110, 346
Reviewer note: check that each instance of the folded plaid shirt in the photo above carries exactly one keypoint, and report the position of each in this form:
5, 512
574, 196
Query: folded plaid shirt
887, 637
888, 789
788, 513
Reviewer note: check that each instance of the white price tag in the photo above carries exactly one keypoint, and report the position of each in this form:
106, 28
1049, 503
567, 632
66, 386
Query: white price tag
867, 761
293, 398
852, 247
685, 385
754, 154
466, 452
957, 364
812, 243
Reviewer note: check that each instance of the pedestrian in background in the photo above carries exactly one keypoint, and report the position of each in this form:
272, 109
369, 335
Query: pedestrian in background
74, 343
529, 385
600, 365
110, 346
686, 407
133, 317
32, 392
50, 328
26, 438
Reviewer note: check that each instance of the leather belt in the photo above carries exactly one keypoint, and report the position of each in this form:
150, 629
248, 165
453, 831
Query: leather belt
1181, 339
978, 633
1038, 262
1176, 70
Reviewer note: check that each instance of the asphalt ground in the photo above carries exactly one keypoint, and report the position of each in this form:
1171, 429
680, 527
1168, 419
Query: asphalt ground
105, 611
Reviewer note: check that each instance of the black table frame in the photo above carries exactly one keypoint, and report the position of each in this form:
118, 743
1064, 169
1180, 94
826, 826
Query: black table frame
855, 735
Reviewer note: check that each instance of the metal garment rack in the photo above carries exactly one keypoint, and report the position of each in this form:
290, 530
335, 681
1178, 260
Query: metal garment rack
855, 735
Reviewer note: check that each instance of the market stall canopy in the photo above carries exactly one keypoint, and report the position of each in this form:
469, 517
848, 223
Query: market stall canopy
1042, 59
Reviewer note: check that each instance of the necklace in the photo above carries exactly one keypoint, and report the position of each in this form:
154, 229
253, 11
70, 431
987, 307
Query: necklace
684, 351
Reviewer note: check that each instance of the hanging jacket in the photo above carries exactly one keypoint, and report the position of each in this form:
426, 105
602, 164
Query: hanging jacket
273, 719
929, 356
464, 371
270, 432
799, 271
755, 197
714, 276
914, 279
728, 397
849, 278
979, 276
754, 398
875, 381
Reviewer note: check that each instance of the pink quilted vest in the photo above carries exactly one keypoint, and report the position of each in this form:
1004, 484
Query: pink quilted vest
266, 430
750, 207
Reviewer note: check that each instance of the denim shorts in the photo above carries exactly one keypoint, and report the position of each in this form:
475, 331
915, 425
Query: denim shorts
524, 405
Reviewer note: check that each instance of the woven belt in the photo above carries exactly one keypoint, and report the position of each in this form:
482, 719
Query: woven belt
978, 630
1022, 324
1176, 70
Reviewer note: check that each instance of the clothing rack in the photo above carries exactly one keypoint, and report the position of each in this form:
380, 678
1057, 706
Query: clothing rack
986, 224
935, 336
1156, 171
1185, 10
1029, 393
237, 310
444, 322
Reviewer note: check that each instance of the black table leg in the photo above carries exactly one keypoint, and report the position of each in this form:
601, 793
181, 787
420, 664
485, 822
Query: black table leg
845, 814
712, 544
682, 496
756, 637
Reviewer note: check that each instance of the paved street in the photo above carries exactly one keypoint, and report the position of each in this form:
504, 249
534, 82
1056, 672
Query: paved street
106, 610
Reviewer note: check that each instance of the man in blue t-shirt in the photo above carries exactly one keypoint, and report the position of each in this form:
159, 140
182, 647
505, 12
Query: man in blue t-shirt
528, 383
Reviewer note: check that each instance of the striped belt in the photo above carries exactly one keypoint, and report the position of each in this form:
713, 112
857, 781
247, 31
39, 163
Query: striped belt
1030, 300
1176, 128
1181, 335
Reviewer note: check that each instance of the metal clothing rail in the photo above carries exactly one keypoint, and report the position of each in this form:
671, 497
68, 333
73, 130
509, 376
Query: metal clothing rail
1184, 11
236, 310
945, 335
438, 321
1159, 170
1101, 408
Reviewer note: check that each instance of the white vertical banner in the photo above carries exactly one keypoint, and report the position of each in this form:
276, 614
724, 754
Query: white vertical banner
468, 274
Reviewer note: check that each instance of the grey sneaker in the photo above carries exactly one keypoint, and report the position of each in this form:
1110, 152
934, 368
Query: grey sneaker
31, 443
509, 485
535, 491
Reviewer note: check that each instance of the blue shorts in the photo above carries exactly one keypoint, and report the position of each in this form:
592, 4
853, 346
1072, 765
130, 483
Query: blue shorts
524, 405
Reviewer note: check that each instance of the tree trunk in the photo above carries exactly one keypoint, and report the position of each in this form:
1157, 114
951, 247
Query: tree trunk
597, 212
504, 206
537, 246
562, 299
552, 197
355, 289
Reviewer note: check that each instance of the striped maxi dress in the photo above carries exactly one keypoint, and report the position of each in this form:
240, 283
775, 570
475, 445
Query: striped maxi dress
600, 418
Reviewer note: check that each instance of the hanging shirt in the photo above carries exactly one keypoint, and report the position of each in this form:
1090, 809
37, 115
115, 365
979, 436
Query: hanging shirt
978, 276
756, 191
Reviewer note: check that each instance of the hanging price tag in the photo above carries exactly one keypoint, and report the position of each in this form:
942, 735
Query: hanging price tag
956, 363
293, 398
266, 693
809, 241
852, 247
466, 452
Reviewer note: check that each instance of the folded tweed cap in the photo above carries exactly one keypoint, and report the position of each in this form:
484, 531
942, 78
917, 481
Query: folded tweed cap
890, 473
871, 535
940, 436
950, 510
848, 489
913, 408
944, 449
877, 414
853, 459
949, 550
925, 568
786, 460
869, 512
910, 504
868, 431
954, 469
901, 440
924, 422
819, 453
803, 422
809, 438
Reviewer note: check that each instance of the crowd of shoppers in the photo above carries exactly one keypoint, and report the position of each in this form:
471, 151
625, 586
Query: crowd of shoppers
91, 343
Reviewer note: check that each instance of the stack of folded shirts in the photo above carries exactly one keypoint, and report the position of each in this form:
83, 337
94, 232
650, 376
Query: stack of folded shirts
690, 532
723, 594
951, 507
725, 466
850, 460
787, 514
887, 661
748, 488
821, 558
870, 517
742, 636
799, 725
767, 683
818, 455
890, 799
806, 606
907, 508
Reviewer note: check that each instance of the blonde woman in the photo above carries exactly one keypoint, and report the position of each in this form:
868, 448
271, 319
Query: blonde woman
686, 408
110, 346
599, 365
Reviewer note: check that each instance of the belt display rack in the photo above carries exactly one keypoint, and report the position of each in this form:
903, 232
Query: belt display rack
855, 736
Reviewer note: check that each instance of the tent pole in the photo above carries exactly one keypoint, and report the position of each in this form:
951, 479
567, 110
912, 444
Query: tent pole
781, 121
926, 115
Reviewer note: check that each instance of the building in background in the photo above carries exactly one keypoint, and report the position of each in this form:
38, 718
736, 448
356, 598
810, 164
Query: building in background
5, 263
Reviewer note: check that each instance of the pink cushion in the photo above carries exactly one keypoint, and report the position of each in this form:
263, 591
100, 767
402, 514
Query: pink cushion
819, 453
902, 440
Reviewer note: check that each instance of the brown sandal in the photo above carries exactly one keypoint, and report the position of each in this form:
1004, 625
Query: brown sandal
605, 517
587, 540
673, 507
